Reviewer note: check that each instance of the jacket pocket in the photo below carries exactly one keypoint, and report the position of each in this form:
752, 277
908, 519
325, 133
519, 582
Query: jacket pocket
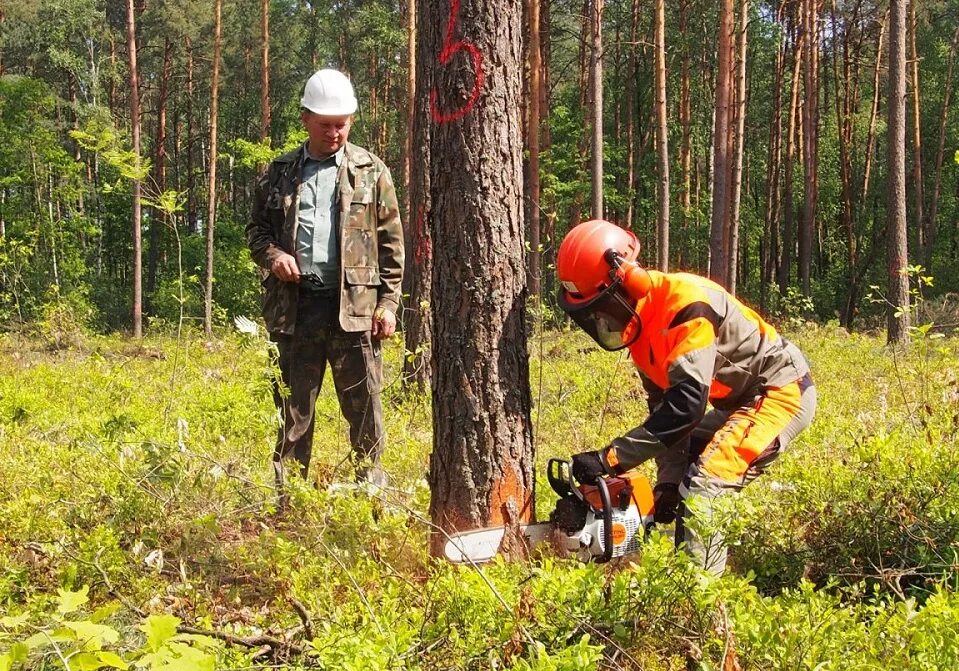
360, 287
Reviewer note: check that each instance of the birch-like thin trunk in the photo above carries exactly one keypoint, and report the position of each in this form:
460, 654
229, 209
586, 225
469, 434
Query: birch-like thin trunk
921, 223
662, 136
211, 184
720, 197
810, 121
596, 78
737, 181
264, 70
532, 145
135, 138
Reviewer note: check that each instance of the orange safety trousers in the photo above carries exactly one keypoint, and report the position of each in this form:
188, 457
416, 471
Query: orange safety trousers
749, 431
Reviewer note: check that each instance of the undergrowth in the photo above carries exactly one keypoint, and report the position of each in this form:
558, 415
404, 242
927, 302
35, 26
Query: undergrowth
138, 526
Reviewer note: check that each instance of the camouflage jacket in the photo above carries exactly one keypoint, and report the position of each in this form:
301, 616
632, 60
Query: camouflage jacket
371, 238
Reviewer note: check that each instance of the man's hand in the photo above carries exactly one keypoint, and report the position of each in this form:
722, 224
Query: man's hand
665, 501
384, 324
588, 467
285, 268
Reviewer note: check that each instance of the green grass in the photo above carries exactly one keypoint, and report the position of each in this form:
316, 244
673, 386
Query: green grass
141, 473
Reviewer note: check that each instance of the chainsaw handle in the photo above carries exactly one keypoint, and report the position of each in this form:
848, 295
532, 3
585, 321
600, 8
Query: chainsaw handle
559, 472
607, 519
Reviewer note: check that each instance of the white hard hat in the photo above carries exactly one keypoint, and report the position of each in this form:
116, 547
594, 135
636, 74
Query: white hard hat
329, 92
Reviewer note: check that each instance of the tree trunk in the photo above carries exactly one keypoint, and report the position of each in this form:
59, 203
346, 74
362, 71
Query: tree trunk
685, 121
135, 136
211, 184
481, 468
632, 75
769, 246
937, 173
417, 323
720, 200
785, 264
844, 130
264, 71
191, 200
411, 9
160, 218
921, 223
737, 167
596, 79
874, 113
532, 145
662, 135
810, 121
898, 282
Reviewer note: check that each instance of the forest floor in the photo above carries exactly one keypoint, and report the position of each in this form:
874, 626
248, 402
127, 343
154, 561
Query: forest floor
138, 525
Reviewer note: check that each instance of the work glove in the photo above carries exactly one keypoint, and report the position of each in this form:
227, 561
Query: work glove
665, 501
588, 467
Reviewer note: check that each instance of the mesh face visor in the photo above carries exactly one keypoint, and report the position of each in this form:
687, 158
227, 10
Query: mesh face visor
604, 317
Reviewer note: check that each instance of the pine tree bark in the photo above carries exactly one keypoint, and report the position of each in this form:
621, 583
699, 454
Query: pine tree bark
632, 75
922, 225
769, 245
810, 121
417, 323
844, 136
211, 184
720, 197
481, 468
737, 167
685, 121
596, 80
788, 230
134, 83
897, 323
191, 199
532, 146
662, 135
161, 218
264, 70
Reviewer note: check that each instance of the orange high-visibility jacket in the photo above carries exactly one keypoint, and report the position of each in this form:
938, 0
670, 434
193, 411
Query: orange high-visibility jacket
698, 343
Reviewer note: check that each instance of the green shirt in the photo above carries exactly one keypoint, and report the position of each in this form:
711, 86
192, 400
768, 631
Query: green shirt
317, 239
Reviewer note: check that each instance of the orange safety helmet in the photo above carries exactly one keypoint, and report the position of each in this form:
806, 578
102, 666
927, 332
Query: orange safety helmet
602, 282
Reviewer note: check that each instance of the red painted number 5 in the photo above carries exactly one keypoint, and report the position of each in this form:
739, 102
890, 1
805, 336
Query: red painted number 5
446, 55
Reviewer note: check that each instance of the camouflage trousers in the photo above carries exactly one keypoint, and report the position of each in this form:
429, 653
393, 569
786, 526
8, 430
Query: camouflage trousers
356, 363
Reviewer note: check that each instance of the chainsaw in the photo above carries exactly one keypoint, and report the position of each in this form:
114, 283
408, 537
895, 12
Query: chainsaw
592, 522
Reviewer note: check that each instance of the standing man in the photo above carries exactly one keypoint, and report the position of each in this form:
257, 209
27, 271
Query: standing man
326, 232
693, 343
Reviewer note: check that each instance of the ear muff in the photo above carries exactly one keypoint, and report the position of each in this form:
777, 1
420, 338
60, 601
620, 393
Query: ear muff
636, 280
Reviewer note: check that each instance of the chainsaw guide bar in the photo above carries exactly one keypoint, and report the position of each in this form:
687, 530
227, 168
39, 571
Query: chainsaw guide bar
482, 545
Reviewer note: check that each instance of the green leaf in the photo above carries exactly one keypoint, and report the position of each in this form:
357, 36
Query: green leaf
71, 601
112, 660
103, 612
19, 652
5, 662
14, 621
93, 636
84, 661
158, 629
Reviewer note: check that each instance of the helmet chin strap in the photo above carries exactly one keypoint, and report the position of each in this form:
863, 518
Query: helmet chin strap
634, 278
